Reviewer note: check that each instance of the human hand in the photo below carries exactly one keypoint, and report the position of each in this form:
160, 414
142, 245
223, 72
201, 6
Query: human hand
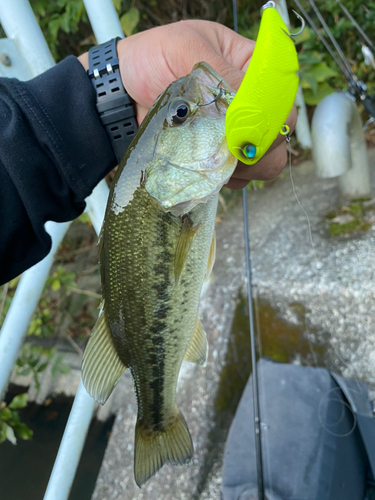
152, 59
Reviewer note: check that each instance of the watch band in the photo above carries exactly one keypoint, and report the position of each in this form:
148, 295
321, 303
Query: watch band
115, 107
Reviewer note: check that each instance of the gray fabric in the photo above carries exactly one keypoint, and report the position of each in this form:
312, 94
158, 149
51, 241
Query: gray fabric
312, 449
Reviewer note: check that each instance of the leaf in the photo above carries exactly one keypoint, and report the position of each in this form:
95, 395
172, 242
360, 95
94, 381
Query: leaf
42, 367
309, 82
129, 21
13, 283
84, 218
302, 37
323, 90
56, 365
25, 372
321, 72
10, 435
15, 417
23, 431
64, 368
19, 401
5, 414
309, 58
117, 4
55, 285
3, 431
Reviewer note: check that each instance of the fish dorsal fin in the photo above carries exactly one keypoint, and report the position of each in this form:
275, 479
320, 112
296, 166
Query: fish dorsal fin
185, 241
211, 257
198, 348
101, 366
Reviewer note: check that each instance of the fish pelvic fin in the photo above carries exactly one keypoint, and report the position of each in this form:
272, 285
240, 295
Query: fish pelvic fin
197, 350
101, 365
153, 449
185, 241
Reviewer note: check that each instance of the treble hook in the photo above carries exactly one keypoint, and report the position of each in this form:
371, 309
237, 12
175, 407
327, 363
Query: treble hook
290, 35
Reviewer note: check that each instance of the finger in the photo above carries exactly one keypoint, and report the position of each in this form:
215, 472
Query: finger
236, 184
141, 112
224, 50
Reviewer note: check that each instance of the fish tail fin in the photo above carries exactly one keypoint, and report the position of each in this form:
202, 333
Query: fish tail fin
101, 365
153, 449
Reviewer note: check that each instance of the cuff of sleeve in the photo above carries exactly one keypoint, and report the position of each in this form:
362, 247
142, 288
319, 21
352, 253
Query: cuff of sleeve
62, 102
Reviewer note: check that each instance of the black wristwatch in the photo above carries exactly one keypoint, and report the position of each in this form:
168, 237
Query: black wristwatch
115, 106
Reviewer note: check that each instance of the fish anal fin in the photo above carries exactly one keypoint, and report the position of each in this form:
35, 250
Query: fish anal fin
198, 348
185, 241
153, 449
211, 256
101, 365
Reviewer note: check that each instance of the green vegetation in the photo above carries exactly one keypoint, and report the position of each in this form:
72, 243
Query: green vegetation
35, 359
350, 218
61, 298
10, 420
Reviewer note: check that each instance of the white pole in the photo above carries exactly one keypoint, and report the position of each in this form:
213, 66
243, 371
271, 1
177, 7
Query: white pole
20, 25
71, 446
339, 145
23, 306
104, 19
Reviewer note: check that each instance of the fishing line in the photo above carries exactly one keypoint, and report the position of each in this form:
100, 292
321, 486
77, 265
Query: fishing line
289, 151
296, 197
315, 271
257, 421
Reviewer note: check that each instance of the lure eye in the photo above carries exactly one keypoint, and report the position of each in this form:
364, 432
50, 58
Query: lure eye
249, 151
180, 112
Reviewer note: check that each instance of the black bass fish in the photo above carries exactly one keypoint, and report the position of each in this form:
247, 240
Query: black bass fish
156, 247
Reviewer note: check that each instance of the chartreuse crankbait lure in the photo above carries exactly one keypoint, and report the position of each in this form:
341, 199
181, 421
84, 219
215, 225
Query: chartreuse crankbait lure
266, 95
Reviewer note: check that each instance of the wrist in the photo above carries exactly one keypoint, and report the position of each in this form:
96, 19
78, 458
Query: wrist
115, 107
84, 60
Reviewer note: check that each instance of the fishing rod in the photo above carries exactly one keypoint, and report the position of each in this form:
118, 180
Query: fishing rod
257, 421
356, 87
255, 117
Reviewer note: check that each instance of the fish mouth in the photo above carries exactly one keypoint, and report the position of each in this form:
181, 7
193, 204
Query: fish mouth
219, 96
213, 88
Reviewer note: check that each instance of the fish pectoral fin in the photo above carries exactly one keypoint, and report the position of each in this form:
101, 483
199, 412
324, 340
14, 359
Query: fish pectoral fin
211, 257
198, 348
101, 365
185, 241
153, 449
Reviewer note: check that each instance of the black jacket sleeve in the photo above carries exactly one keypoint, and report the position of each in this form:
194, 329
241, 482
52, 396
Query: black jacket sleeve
53, 151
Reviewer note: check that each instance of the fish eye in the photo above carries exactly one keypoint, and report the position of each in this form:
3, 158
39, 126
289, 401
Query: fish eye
180, 112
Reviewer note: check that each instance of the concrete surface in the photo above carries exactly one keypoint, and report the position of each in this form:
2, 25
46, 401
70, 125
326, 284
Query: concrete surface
326, 289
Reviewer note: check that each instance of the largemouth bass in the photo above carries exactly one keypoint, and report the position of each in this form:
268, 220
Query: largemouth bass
156, 247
